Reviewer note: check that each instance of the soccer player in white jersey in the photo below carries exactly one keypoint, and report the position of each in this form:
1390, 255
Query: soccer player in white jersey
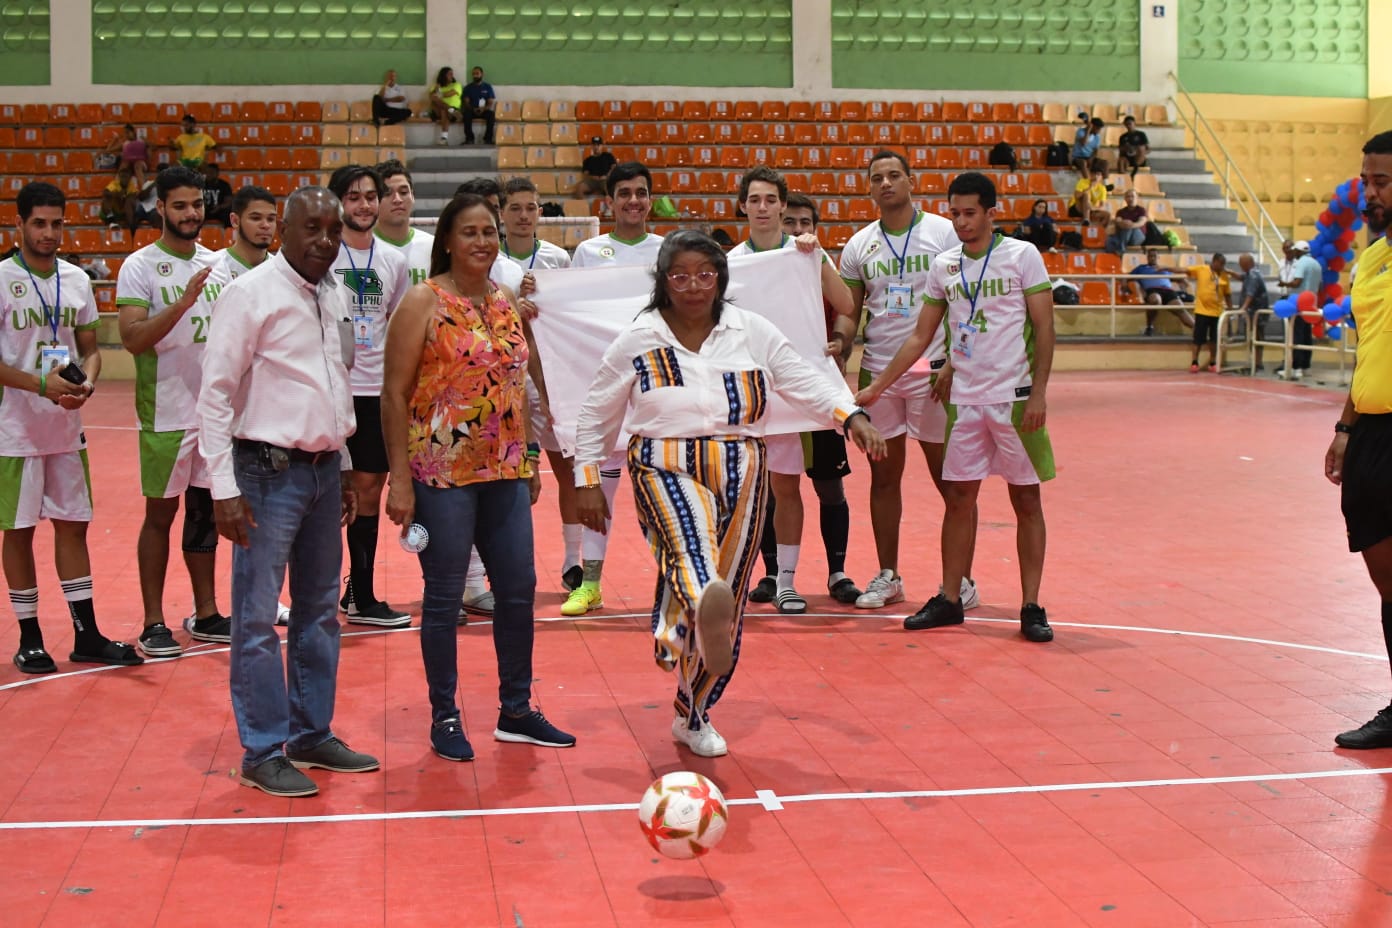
377, 278
994, 295
165, 294
886, 266
763, 194
253, 218
394, 227
629, 185
48, 320
521, 209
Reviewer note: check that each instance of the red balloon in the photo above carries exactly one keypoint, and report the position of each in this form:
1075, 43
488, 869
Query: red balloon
1335, 264
1327, 218
1334, 292
1305, 302
1347, 217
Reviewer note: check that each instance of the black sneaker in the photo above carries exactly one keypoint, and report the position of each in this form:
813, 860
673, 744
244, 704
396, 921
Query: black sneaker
158, 641
1376, 733
333, 755
531, 728
345, 603
937, 612
215, 627
278, 777
764, 591
448, 740
1034, 624
845, 591
572, 577
379, 614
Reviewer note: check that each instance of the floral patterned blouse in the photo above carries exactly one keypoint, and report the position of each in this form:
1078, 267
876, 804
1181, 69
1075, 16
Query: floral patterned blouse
466, 412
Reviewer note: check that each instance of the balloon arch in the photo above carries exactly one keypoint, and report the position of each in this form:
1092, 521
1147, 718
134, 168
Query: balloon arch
1332, 247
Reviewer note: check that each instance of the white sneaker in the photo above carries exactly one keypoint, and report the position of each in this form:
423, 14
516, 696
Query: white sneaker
881, 591
704, 743
282, 614
1297, 374
444, 139
476, 602
970, 598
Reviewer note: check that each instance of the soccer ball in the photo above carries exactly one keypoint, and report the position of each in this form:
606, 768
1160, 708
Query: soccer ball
683, 815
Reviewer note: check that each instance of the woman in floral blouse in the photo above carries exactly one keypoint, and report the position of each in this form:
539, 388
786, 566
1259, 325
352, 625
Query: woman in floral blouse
463, 465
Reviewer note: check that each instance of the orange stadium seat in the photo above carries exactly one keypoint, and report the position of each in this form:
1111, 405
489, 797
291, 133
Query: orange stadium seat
722, 109
169, 112
34, 113
1080, 262
1015, 135
1003, 112
643, 133
989, 134
841, 156
640, 110
62, 112
1029, 112
746, 111
282, 185
334, 111
978, 112
922, 157
927, 112
695, 110
930, 184
280, 111
858, 134
975, 158
615, 110
720, 210
678, 156
616, 133
851, 183
222, 133
1107, 263
911, 134
831, 133
279, 134
667, 109
671, 133
861, 210
78, 162
698, 132
308, 111
111, 112
57, 137
143, 113
833, 210
589, 111
826, 110
851, 111
936, 134
1040, 134
963, 135
801, 111
773, 111
1095, 293
780, 133
797, 182
805, 133
902, 112
304, 159
713, 182
822, 182
877, 111
1040, 185
787, 157
28, 137
224, 111
949, 157
731, 156
277, 159
753, 133
814, 158
87, 137
254, 111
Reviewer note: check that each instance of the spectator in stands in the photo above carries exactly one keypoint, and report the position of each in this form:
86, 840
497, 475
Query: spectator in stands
1300, 273
146, 212
594, 170
1128, 228
134, 154
389, 102
1133, 147
1038, 227
118, 200
481, 99
1254, 297
446, 95
217, 195
1211, 296
192, 145
1090, 196
1086, 142
1154, 287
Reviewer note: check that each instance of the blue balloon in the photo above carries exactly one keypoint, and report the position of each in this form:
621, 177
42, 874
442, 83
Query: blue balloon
1320, 229
1334, 332
1357, 223
1284, 308
1328, 250
1332, 312
1347, 303
1330, 277
1347, 256
1336, 206
1351, 322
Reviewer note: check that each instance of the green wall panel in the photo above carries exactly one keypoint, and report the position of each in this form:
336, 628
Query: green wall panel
748, 44
23, 43
1002, 45
1303, 48
257, 42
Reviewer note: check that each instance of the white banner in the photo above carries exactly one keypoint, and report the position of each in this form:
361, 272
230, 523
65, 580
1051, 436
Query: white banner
582, 311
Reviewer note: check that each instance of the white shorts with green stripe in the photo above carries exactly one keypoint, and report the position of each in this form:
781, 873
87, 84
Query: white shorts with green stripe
986, 440
47, 486
170, 463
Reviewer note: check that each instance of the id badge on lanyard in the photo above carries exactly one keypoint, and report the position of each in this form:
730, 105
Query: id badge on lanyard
53, 358
362, 330
899, 300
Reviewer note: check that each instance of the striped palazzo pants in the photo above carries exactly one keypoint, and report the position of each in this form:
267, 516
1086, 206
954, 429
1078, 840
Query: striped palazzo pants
700, 503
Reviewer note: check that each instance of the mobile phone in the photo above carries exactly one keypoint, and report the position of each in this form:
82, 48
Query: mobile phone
73, 373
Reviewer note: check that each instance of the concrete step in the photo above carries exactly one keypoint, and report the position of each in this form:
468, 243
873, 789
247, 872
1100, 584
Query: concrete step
1176, 162
1230, 245
1209, 216
1176, 190
451, 161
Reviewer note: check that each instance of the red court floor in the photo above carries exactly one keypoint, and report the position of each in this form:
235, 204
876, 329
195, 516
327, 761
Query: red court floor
1168, 761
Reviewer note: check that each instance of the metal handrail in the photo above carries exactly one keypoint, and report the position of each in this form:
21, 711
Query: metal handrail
1260, 219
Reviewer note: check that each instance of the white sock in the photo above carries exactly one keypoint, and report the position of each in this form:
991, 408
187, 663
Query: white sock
571, 534
787, 565
476, 578
593, 545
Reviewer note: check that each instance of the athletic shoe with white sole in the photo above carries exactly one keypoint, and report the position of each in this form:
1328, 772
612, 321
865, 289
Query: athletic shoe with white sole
706, 742
885, 589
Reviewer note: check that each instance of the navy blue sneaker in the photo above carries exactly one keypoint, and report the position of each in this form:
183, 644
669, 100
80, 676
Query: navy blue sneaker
531, 728
447, 739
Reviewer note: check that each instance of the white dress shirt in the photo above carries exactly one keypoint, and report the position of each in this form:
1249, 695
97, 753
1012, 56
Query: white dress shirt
280, 371
668, 391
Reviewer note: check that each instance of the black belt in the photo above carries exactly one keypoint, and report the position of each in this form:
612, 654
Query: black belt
299, 455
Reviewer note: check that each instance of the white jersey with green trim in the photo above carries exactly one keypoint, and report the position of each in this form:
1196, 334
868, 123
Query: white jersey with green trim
992, 341
169, 375
375, 279
416, 248
232, 265
608, 251
504, 273
544, 254
892, 269
29, 424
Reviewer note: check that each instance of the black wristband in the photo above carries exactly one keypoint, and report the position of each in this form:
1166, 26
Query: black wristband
846, 425
1343, 429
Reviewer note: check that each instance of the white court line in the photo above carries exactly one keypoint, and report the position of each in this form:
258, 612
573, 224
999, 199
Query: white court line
194, 651
764, 798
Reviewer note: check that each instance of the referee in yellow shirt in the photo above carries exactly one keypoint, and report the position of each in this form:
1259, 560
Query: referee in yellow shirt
1360, 456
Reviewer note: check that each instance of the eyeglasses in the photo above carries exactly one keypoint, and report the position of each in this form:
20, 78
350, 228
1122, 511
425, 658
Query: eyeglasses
683, 282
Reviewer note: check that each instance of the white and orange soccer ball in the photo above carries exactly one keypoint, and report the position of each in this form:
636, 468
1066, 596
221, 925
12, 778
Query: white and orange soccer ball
683, 815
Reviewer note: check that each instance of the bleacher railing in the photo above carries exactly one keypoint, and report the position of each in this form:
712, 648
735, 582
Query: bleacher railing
1238, 192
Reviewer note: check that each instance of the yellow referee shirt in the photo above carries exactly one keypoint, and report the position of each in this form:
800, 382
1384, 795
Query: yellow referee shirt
1372, 313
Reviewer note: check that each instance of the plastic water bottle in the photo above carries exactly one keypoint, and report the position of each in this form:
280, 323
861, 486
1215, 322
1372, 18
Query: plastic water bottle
415, 538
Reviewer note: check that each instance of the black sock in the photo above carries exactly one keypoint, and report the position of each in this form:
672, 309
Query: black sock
1387, 628
30, 635
362, 556
836, 532
768, 542
87, 639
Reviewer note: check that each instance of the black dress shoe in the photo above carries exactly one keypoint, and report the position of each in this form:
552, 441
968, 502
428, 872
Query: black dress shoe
937, 612
1034, 623
1376, 733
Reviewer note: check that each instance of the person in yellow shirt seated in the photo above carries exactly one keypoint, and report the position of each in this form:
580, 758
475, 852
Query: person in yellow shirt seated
118, 199
1089, 201
1212, 295
446, 94
192, 145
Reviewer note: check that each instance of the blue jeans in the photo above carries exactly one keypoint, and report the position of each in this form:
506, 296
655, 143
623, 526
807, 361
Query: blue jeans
297, 513
495, 517
1120, 240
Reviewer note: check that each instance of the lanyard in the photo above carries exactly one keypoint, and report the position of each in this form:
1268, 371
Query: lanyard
536, 247
50, 316
359, 278
962, 269
901, 258
781, 242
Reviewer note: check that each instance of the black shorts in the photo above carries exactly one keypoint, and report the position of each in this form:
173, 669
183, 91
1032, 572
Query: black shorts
1167, 297
825, 453
1205, 330
1366, 495
366, 446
